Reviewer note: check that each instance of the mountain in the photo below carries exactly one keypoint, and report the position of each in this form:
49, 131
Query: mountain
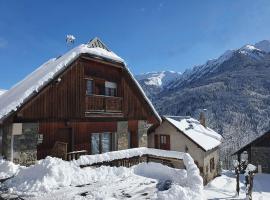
235, 90
2, 91
155, 82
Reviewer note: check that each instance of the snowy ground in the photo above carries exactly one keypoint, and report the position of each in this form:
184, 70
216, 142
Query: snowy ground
223, 187
53, 178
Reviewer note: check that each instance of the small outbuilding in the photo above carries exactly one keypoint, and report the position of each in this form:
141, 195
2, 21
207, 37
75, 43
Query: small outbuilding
186, 134
258, 152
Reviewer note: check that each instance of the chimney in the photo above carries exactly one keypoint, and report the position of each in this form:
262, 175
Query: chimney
202, 118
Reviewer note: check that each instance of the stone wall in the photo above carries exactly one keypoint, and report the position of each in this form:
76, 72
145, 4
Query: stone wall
122, 135
261, 156
25, 145
142, 133
6, 141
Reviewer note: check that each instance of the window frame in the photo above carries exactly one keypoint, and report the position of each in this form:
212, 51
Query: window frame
111, 89
100, 145
93, 86
212, 164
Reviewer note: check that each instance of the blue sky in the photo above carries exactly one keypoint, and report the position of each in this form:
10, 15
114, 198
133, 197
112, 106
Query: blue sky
150, 35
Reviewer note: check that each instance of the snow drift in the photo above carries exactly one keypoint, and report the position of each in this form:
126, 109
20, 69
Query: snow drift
51, 174
7, 169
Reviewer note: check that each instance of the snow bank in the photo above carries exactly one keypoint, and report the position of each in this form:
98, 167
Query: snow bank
128, 153
52, 173
7, 169
186, 184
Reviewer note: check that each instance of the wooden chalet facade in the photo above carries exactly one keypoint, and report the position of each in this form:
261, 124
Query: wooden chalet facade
257, 152
93, 105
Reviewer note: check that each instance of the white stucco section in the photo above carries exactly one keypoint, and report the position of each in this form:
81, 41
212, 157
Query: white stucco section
178, 141
210, 174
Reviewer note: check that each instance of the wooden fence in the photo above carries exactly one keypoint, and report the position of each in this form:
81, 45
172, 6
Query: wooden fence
129, 162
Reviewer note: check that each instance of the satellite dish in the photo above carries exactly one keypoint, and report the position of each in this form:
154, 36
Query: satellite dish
70, 40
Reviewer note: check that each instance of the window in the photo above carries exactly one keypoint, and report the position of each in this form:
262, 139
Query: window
186, 148
212, 164
110, 89
89, 87
101, 142
129, 139
163, 139
95, 143
105, 142
165, 142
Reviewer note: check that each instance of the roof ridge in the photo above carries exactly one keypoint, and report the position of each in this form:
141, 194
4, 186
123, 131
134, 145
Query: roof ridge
96, 42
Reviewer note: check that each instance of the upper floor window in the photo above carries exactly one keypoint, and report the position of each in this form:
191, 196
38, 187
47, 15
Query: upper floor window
110, 88
89, 87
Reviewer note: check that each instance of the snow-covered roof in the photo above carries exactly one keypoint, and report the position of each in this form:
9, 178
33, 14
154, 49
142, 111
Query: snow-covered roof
22, 91
205, 137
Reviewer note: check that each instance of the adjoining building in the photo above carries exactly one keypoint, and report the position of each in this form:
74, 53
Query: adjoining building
257, 152
86, 101
185, 134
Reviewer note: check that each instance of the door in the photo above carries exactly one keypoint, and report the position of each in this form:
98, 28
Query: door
65, 135
133, 139
133, 133
165, 142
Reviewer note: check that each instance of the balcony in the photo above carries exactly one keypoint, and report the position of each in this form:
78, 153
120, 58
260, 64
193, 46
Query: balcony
105, 105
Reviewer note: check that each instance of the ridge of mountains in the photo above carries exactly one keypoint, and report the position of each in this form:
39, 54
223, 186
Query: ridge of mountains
234, 89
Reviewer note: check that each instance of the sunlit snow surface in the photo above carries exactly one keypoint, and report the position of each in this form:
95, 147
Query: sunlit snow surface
223, 187
56, 179
53, 178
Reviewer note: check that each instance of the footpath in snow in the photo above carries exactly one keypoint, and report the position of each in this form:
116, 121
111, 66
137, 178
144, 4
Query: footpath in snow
53, 178
223, 187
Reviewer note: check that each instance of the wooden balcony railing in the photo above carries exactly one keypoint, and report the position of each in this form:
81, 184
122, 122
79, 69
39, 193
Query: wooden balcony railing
100, 103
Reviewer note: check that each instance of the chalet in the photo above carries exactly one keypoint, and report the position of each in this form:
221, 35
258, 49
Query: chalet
257, 152
186, 134
83, 102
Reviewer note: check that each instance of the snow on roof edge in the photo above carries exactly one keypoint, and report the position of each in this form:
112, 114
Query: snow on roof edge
216, 137
71, 55
59, 67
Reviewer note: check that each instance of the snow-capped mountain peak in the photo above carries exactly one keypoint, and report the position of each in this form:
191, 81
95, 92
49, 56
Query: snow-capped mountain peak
263, 45
158, 79
2, 91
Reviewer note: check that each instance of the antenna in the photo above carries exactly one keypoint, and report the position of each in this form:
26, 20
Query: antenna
70, 40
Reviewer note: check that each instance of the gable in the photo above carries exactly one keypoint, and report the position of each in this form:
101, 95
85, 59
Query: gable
96, 42
65, 99
22, 92
166, 126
